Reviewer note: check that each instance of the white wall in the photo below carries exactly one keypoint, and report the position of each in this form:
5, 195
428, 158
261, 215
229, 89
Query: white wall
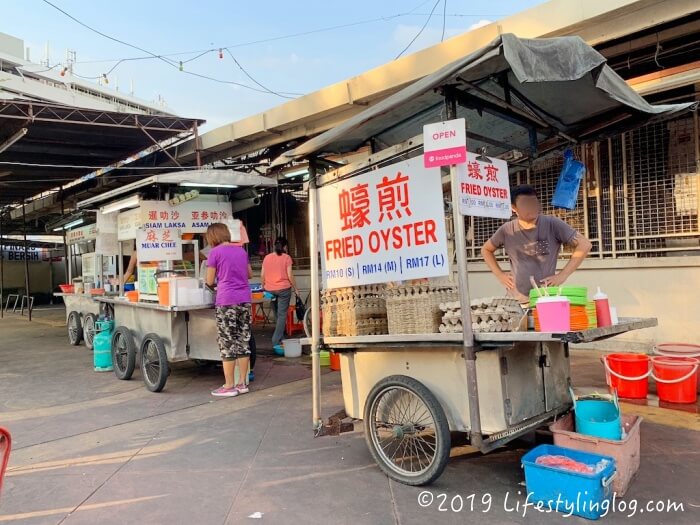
665, 288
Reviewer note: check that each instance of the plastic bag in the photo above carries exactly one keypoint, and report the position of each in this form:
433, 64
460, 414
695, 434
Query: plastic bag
566, 463
300, 309
566, 192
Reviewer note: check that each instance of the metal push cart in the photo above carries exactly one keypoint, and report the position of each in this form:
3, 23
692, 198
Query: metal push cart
147, 332
82, 310
520, 100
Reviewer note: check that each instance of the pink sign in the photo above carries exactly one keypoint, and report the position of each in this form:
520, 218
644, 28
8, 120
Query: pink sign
444, 143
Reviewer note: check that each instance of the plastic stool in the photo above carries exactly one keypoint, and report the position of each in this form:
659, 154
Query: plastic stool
5, 446
293, 326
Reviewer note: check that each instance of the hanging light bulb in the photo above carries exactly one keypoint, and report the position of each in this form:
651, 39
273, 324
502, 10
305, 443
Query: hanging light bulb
182, 68
221, 53
104, 77
63, 72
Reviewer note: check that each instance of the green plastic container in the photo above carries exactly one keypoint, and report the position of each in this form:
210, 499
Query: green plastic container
577, 295
325, 358
568, 291
102, 346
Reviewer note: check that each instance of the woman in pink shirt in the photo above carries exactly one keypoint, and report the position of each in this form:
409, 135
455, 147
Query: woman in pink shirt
278, 279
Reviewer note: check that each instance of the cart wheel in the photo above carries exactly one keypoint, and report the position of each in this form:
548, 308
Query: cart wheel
154, 363
407, 431
75, 328
123, 353
89, 330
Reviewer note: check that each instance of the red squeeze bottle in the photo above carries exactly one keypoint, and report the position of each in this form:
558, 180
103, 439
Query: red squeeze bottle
602, 309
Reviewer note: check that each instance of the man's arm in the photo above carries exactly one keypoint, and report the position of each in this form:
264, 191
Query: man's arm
488, 252
130, 269
582, 248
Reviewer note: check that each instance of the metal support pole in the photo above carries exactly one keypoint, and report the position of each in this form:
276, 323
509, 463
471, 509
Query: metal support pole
463, 278
315, 298
696, 128
611, 192
120, 268
625, 192
66, 256
197, 146
26, 262
599, 207
2, 274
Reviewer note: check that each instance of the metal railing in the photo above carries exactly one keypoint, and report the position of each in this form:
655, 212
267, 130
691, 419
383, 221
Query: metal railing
639, 198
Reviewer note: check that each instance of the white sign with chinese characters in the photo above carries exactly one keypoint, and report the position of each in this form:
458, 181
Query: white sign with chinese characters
384, 225
191, 217
127, 224
162, 244
484, 189
84, 234
107, 240
445, 143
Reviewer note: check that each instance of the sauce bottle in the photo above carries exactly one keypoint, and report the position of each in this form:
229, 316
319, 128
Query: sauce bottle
602, 309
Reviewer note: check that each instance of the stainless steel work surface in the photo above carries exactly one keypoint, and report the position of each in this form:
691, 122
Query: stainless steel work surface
585, 336
155, 306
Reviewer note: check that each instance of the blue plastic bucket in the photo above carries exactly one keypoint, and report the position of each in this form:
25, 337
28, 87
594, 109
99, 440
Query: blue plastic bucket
598, 418
565, 491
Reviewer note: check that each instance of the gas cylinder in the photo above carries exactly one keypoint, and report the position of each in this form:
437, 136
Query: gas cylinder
102, 345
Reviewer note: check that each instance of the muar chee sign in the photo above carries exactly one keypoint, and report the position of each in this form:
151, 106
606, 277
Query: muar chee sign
385, 225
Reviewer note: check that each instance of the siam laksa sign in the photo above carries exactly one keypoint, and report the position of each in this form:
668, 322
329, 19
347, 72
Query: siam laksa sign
384, 225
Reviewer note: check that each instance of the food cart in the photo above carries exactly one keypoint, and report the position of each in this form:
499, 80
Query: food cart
82, 309
172, 319
513, 100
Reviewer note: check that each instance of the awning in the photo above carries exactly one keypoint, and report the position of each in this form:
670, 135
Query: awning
516, 94
228, 180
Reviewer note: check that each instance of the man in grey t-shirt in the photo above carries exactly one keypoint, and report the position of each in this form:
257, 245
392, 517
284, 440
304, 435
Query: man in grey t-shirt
533, 242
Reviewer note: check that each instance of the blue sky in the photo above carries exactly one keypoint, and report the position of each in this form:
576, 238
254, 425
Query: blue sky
297, 65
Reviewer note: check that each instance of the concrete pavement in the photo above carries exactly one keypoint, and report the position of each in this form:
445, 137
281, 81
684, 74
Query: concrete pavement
92, 449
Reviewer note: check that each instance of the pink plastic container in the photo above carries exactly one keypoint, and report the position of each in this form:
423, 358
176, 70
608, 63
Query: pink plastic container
554, 314
625, 451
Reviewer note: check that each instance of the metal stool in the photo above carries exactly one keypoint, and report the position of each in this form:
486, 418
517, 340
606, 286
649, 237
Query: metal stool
9, 298
29, 301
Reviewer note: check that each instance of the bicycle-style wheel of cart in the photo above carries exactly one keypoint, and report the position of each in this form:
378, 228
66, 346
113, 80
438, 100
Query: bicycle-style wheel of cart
154, 363
123, 353
406, 430
89, 330
75, 328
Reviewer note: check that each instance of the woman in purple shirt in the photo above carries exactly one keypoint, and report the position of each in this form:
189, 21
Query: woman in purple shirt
227, 265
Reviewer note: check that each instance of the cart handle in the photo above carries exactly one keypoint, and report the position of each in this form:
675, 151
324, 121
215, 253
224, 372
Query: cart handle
614, 399
604, 360
678, 380
607, 481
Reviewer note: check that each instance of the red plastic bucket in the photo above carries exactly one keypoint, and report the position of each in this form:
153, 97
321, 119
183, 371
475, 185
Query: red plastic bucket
676, 378
335, 361
679, 350
628, 374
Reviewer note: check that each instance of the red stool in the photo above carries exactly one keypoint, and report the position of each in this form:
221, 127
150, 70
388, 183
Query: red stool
258, 314
293, 326
5, 446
